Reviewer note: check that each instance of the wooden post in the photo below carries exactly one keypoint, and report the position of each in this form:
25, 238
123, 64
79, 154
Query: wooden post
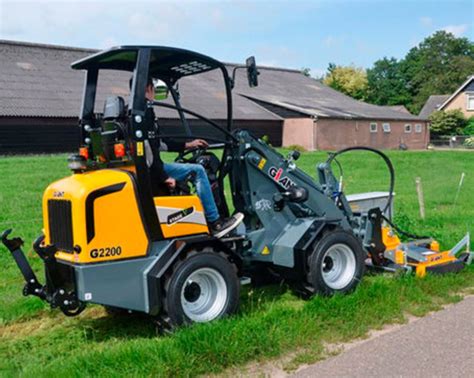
459, 188
421, 199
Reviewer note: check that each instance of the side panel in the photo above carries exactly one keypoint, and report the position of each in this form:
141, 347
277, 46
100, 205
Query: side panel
131, 284
180, 216
284, 246
106, 220
119, 284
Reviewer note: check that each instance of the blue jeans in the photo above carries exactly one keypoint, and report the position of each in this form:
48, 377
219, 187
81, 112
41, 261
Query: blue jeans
180, 171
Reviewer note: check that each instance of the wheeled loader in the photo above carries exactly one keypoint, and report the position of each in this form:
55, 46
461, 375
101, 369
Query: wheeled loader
112, 235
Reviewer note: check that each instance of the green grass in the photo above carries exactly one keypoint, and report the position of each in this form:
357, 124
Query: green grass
37, 341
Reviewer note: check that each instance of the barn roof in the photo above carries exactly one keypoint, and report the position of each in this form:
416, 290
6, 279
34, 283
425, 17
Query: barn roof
308, 96
36, 80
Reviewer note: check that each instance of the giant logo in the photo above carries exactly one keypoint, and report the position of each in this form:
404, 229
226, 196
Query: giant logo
179, 216
276, 175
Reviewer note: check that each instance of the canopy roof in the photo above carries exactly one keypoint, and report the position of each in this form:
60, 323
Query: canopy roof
165, 62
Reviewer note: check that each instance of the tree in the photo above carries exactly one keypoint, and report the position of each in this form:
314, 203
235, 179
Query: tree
385, 83
438, 65
450, 122
306, 71
350, 80
469, 128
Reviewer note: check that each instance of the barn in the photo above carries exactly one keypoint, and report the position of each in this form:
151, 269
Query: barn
40, 97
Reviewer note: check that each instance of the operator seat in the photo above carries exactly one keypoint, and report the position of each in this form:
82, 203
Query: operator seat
114, 108
114, 126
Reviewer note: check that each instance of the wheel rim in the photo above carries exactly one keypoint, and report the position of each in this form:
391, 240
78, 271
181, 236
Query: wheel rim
204, 295
338, 266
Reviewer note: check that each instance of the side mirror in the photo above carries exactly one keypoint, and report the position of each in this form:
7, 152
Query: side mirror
161, 90
252, 72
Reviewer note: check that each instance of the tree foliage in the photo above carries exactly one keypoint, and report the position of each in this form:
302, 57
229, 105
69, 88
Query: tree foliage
306, 71
469, 129
450, 122
386, 85
438, 65
350, 80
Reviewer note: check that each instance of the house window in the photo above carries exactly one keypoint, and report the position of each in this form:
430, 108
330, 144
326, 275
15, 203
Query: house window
418, 128
470, 101
407, 128
373, 127
386, 127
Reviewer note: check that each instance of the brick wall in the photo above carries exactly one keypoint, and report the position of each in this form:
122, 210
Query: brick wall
300, 131
333, 134
460, 102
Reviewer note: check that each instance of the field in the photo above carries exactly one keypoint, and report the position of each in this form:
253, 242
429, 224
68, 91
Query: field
35, 341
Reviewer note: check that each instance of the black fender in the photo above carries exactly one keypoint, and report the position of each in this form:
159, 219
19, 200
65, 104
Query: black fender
303, 248
179, 247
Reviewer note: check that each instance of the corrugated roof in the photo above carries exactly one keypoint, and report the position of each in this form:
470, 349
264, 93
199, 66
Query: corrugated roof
36, 80
432, 104
308, 96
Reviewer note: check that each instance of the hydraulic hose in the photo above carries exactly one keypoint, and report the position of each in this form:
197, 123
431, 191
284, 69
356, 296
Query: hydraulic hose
391, 170
383, 156
402, 232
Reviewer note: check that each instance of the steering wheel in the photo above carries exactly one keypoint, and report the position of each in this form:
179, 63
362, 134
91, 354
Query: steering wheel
195, 153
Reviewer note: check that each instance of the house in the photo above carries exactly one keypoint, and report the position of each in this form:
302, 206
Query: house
462, 99
40, 98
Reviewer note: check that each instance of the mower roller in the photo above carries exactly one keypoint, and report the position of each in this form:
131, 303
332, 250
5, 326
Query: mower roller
114, 236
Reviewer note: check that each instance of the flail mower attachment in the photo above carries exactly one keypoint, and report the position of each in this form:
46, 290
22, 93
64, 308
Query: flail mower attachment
422, 256
385, 250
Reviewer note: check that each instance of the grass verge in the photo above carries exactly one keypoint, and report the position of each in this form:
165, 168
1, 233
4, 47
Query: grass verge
271, 322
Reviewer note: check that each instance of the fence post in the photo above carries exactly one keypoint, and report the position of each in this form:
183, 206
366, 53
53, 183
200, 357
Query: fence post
459, 187
421, 199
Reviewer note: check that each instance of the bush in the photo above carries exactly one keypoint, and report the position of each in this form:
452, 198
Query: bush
450, 122
296, 147
469, 143
266, 139
469, 129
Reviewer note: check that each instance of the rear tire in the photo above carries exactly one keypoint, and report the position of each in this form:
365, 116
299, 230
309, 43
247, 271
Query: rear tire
201, 288
336, 264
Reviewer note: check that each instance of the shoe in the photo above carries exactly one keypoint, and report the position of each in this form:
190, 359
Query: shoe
222, 227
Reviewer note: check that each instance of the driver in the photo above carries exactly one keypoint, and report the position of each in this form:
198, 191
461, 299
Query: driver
168, 173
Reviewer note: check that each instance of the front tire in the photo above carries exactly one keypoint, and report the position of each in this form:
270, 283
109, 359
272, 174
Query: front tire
201, 288
336, 264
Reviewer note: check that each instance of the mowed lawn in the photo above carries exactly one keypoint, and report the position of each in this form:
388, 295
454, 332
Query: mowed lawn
35, 341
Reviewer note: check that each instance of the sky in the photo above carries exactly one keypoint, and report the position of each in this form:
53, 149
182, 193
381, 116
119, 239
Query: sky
291, 34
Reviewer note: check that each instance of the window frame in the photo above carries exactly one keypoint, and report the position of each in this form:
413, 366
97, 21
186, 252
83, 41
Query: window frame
373, 131
388, 129
418, 128
407, 128
469, 96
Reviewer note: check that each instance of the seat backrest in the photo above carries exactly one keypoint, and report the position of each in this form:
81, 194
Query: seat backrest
114, 108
